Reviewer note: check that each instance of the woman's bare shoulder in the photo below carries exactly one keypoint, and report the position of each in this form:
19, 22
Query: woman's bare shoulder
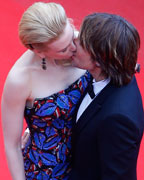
18, 79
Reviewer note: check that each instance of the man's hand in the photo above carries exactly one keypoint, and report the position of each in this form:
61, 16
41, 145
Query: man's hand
25, 138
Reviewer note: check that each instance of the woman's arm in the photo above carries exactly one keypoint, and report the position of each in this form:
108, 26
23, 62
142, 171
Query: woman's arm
13, 104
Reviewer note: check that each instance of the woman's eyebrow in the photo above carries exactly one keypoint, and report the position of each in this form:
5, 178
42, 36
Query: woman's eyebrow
68, 44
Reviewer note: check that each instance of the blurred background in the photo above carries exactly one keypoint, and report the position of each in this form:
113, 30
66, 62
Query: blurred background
11, 48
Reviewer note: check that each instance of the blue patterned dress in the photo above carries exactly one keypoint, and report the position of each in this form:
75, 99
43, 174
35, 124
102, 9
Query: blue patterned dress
47, 155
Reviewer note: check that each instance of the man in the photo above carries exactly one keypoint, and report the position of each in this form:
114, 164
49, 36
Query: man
109, 125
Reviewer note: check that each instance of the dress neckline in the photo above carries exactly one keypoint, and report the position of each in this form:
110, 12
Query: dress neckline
54, 94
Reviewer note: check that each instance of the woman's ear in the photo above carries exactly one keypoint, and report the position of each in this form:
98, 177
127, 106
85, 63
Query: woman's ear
39, 53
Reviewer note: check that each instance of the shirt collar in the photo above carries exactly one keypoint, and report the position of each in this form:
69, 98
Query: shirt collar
99, 85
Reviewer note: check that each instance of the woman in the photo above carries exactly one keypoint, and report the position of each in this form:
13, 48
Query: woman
43, 92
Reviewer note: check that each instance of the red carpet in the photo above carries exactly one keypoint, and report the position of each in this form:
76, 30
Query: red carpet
11, 48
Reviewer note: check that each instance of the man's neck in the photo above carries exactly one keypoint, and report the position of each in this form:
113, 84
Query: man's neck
97, 74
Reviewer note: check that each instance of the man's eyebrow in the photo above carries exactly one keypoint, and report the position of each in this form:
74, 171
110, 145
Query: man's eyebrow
68, 44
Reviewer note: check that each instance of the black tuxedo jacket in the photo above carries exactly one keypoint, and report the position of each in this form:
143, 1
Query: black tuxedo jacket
106, 138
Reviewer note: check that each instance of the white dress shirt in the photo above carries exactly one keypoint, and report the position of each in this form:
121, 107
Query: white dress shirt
97, 87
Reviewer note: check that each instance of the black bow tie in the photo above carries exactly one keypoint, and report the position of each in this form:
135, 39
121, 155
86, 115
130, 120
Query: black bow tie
90, 90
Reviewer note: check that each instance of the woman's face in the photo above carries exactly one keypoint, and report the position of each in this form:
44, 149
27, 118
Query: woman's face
63, 47
82, 58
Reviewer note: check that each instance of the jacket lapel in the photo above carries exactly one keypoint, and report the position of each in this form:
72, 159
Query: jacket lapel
93, 108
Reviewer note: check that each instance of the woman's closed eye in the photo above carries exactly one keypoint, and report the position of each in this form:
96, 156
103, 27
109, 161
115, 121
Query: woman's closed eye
63, 50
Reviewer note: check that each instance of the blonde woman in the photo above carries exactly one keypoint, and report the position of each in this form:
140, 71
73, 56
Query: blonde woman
44, 93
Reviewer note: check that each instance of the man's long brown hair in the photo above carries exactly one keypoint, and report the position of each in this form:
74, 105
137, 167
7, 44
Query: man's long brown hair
114, 43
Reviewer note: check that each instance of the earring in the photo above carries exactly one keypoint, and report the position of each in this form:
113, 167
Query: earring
97, 64
137, 68
44, 67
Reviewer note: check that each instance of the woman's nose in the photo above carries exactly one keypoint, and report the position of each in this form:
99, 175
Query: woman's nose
72, 46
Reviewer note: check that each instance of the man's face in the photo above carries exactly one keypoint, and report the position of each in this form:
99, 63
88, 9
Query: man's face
82, 58
63, 47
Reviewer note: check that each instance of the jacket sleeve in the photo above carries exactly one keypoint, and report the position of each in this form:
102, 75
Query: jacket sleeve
118, 146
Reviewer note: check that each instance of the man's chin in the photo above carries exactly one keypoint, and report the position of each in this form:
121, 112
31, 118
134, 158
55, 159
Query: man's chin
76, 65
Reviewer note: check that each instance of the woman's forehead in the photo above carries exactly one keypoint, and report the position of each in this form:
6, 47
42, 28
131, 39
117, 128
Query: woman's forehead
64, 40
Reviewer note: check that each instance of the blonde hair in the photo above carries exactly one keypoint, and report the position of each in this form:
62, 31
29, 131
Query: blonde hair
41, 23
